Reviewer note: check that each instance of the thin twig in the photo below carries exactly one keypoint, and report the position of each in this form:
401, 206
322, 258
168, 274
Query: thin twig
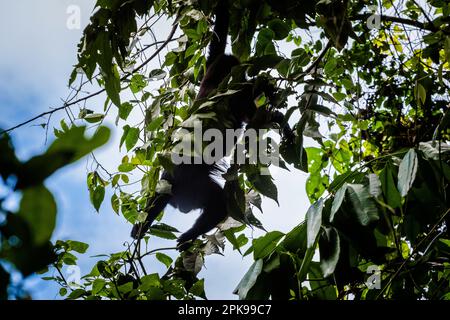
414, 23
412, 253
62, 276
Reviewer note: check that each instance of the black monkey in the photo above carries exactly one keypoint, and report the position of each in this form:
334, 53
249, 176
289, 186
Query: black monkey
194, 185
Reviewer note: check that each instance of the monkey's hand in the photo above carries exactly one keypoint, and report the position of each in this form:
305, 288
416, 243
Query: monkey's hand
138, 231
184, 242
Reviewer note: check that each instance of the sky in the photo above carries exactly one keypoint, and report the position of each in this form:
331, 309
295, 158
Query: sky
38, 52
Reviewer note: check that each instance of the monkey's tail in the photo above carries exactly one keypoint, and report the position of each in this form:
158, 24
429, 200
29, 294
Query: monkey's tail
153, 208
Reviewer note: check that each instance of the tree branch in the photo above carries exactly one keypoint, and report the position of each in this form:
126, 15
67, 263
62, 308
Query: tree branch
414, 23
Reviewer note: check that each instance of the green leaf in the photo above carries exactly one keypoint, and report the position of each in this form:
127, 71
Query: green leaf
279, 28
132, 138
125, 110
75, 294
337, 201
98, 285
323, 289
420, 94
307, 258
162, 233
264, 42
339, 181
249, 279
264, 185
283, 67
262, 63
97, 197
390, 191
164, 258
198, 289
62, 292
157, 74
138, 83
294, 153
126, 167
77, 246
112, 86
38, 209
115, 203
329, 248
155, 124
175, 287
313, 222
69, 259
94, 117
148, 281
295, 240
363, 205
231, 237
325, 111
265, 245
407, 172
154, 293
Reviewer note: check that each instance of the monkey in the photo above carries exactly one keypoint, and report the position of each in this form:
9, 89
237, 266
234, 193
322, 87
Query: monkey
194, 186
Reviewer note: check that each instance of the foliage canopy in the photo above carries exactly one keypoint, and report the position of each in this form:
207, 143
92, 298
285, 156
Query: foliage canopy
365, 85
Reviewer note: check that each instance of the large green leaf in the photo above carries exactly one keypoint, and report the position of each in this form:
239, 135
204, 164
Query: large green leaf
329, 248
164, 258
77, 246
314, 222
337, 201
390, 191
132, 138
293, 152
38, 209
112, 86
321, 287
249, 279
295, 240
265, 245
306, 261
363, 204
264, 185
407, 172
97, 196
280, 28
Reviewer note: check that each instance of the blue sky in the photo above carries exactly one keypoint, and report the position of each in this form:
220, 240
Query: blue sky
37, 55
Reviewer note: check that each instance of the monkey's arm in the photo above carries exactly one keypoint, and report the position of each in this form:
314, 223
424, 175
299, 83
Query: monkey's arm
214, 212
219, 38
154, 206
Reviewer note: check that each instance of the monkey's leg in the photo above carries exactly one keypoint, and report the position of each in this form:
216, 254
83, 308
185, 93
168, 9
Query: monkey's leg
214, 213
153, 208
